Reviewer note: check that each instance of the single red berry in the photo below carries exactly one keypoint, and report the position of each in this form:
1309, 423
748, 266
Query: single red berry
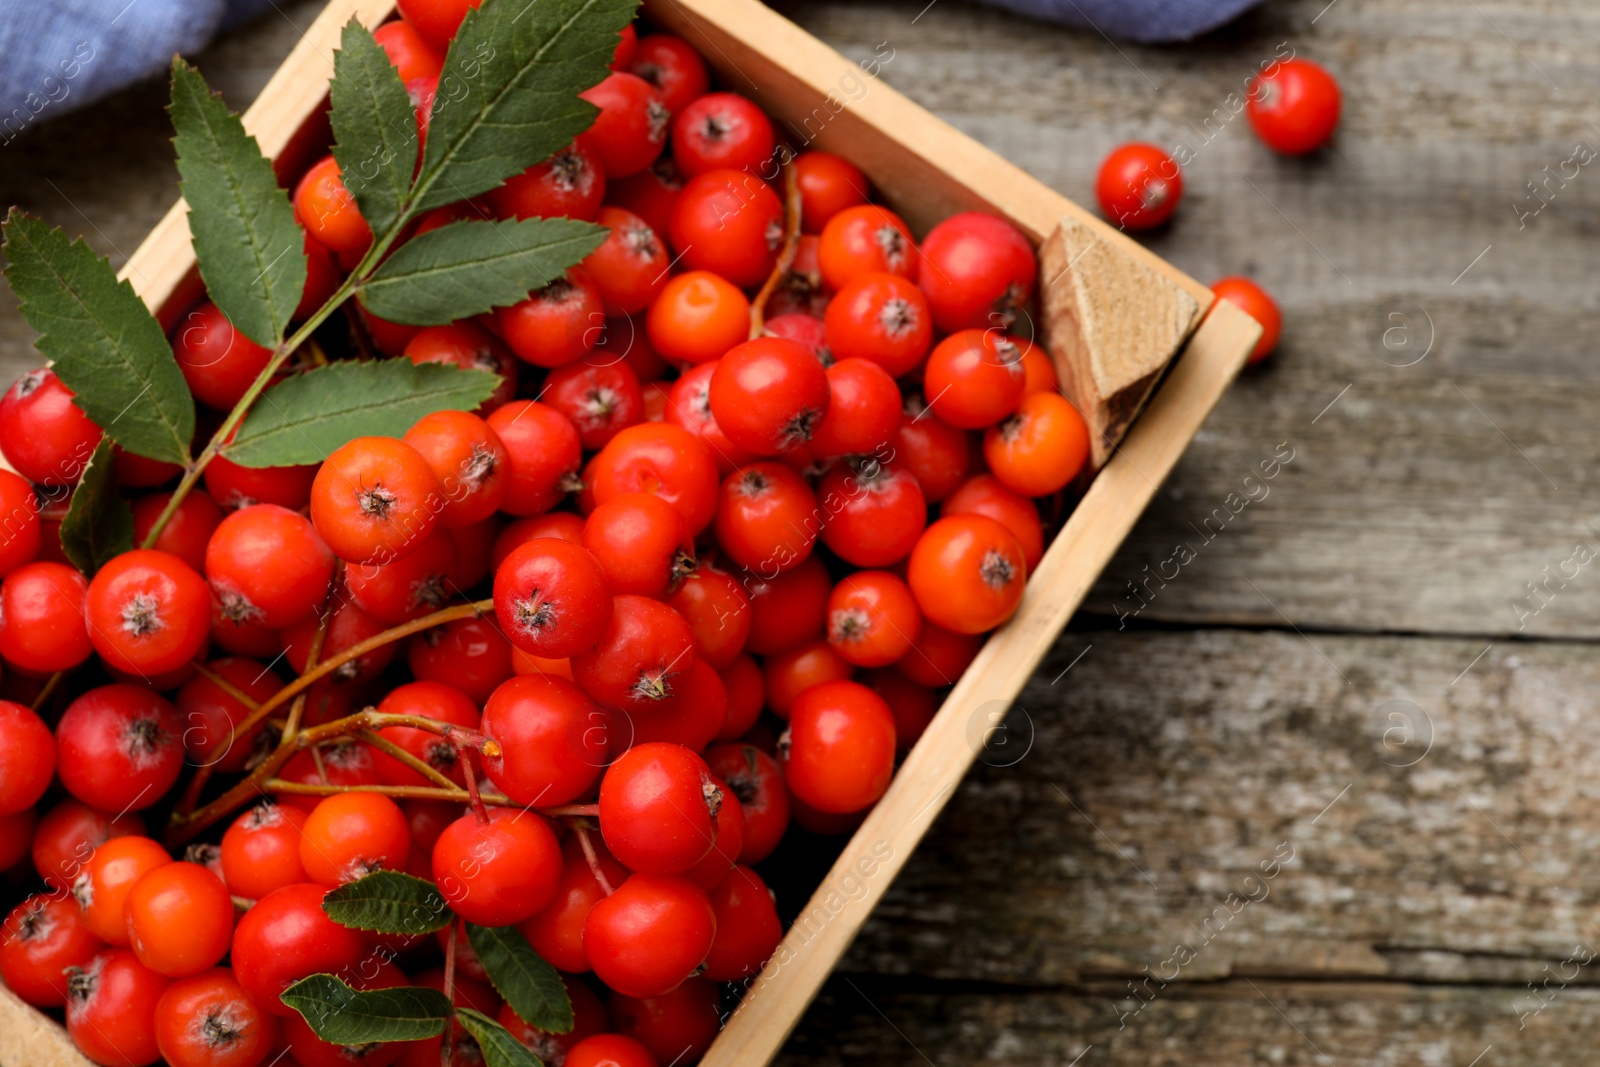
180, 919
27, 757
208, 1020
609, 1050
828, 184
350, 835
261, 850
730, 222
268, 565
747, 693
552, 740
1039, 449
631, 265
570, 184
425, 700
543, 452
43, 434
874, 512
500, 872
768, 518
217, 361
600, 396
913, 706
769, 395
436, 22
374, 500
43, 937
233, 486
883, 318
873, 619
717, 610
791, 672
471, 655
659, 808
938, 454
939, 656
863, 411
722, 130
19, 523
673, 67
664, 460
642, 543
412, 56
631, 129
552, 597
697, 317
556, 324
1294, 106
968, 573
327, 209
421, 581
149, 612
187, 532
867, 239
1139, 186
650, 935
469, 460
210, 713
120, 747
111, 1009
787, 608
748, 929
839, 748
975, 377
644, 647
978, 271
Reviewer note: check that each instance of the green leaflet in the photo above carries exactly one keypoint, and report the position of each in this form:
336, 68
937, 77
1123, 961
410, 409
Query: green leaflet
303, 419
466, 268
250, 248
389, 902
500, 1049
531, 986
508, 95
106, 346
98, 525
346, 1016
374, 127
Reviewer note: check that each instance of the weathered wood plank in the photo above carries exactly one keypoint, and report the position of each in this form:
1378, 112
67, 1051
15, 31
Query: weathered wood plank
861, 1021
1379, 807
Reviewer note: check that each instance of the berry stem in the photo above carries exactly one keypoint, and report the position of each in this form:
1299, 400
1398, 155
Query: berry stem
593, 858
47, 689
464, 751
361, 648
422, 767
791, 244
458, 930
227, 687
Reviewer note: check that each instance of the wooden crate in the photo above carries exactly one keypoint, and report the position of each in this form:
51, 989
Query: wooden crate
1102, 296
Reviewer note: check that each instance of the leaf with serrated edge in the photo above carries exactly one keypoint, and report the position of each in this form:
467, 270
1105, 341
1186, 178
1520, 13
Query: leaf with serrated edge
531, 986
250, 249
374, 127
388, 902
508, 95
500, 1048
303, 419
106, 346
98, 525
466, 268
346, 1016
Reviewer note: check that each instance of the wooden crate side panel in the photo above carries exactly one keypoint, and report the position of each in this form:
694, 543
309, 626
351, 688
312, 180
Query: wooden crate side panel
930, 774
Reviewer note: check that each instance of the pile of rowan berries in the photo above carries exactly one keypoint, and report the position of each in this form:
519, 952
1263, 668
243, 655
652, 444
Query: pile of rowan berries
672, 588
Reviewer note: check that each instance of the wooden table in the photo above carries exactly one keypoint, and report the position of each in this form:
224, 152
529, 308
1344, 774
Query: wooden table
1319, 794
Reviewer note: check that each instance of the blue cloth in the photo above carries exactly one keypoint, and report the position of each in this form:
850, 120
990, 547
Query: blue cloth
62, 54
1147, 21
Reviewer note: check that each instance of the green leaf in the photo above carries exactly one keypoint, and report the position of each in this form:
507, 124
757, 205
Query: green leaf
500, 1049
106, 346
305, 418
531, 986
99, 524
374, 126
466, 268
250, 248
508, 95
346, 1016
390, 903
